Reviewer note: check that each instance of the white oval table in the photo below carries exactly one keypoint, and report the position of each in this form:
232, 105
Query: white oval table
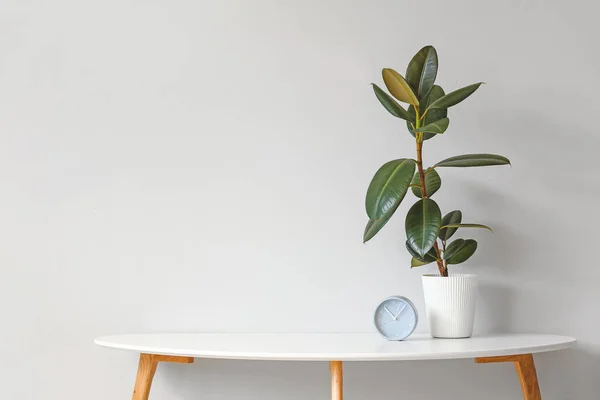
334, 348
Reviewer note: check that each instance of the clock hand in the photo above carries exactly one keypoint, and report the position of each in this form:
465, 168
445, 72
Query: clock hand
389, 312
400, 311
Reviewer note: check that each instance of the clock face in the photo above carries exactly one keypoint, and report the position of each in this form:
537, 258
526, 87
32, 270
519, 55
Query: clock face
396, 318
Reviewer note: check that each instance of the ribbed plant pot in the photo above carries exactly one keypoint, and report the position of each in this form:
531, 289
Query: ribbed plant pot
450, 304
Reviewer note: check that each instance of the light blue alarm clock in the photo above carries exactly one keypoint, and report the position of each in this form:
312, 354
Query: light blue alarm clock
396, 318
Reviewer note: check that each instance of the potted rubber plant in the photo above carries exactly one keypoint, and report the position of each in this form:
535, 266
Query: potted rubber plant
449, 298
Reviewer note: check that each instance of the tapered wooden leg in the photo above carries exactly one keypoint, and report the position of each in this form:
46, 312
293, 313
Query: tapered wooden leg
147, 369
525, 369
337, 380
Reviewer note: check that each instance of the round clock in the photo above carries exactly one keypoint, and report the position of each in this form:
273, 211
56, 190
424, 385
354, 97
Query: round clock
396, 318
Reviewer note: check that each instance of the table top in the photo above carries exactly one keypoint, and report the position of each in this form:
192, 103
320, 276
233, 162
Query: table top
332, 346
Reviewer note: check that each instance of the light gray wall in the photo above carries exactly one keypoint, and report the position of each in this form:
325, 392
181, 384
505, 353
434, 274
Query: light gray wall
201, 165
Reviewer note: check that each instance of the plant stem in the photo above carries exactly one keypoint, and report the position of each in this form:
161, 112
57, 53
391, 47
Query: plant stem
445, 261
419, 136
420, 164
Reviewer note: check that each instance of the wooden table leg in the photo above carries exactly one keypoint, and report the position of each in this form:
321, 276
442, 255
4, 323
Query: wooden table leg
525, 369
147, 369
337, 380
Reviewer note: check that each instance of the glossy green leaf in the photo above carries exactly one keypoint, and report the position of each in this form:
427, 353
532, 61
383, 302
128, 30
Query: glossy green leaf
437, 113
390, 104
473, 160
398, 87
464, 253
432, 115
388, 187
436, 127
453, 248
413, 116
433, 182
431, 255
453, 98
422, 225
375, 225
453, 217
467, 226
422, 71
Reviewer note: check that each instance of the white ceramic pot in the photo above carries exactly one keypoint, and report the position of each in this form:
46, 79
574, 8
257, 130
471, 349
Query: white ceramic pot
450, 304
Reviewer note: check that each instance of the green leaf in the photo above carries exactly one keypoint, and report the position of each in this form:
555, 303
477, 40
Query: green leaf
422, 225
453, 217
398, 87
413, 115
467, 226
436, 127
390, 104
463, 253
473, 160
437, 113
422, 71
432, 115
453, 98
433, 182
414, 263
453, 248
388, 187
431, 255
375, 225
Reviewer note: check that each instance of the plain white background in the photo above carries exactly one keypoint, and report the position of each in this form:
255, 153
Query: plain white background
201, 166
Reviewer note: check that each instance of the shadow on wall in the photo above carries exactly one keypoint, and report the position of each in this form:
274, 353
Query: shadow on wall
494, 308
560, 375
570, 374
563, 375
